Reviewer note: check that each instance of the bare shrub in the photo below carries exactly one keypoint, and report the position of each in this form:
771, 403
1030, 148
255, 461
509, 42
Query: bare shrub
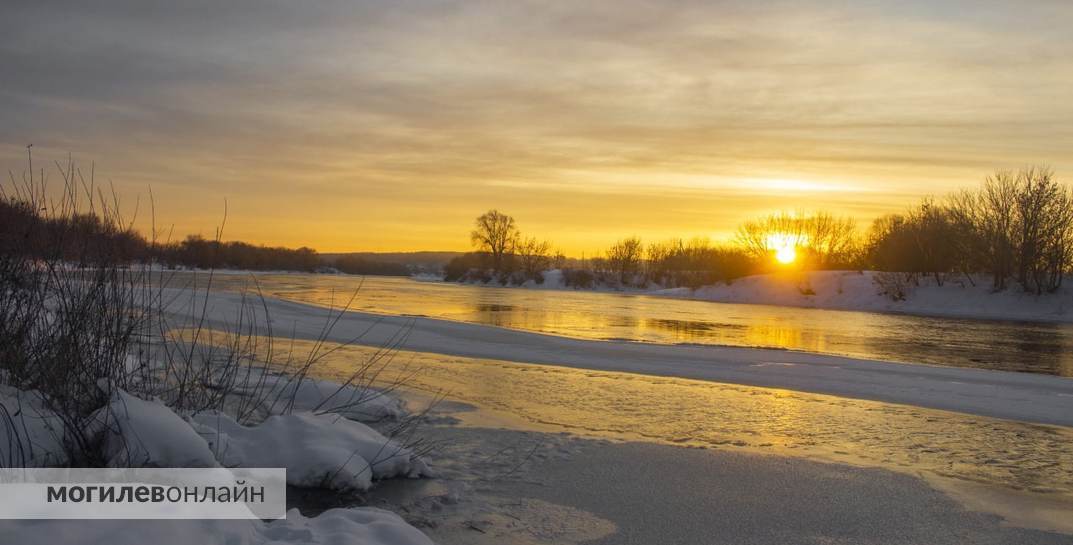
534, 258
79, 320
582, 279
624, 260
696, 263
896, 286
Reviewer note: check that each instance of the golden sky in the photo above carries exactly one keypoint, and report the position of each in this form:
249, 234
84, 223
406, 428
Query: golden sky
349, 125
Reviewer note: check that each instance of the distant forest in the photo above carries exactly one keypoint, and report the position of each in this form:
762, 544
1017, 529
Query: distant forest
80, 237
1015, 229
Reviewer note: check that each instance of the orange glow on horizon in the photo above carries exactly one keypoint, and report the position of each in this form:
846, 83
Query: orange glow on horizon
784, 247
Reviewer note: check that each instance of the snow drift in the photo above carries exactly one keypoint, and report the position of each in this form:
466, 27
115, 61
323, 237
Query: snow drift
324, 450
863, 290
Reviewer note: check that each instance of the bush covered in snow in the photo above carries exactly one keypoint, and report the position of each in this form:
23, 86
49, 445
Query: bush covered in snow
94, 374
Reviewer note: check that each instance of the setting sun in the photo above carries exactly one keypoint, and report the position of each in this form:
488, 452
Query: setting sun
786, 255
784, 246
615, 271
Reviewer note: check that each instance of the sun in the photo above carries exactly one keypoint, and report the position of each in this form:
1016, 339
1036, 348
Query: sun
784, 246
786, 255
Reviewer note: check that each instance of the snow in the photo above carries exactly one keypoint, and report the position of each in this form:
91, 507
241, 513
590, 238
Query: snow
358, 402
958, 296
357, 526
318, 450
860, 290
30, 434
1018, 396
140, 433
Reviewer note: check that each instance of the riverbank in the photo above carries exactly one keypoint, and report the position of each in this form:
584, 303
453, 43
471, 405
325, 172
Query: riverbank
957, 297
650, 458
565, 456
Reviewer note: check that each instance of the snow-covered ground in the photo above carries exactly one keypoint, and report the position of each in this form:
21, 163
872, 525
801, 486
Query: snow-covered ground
319, 449
862, 291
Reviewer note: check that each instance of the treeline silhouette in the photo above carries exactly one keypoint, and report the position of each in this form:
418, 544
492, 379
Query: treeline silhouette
1016, 228
79, 238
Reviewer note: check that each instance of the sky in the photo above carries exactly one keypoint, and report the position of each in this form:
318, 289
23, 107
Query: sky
390, 125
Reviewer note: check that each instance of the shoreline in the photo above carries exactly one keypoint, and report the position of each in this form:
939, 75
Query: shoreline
880, 305
1025, 397
1006, 306
570, 485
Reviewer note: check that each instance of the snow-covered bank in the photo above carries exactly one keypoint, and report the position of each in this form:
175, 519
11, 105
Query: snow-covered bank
858, 291
1017, 396
862, 291
319, 449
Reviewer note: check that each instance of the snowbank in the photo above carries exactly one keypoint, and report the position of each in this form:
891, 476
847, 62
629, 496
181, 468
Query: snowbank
139, 433
322, 450
318, 450
862, 290
30, 434
358, 526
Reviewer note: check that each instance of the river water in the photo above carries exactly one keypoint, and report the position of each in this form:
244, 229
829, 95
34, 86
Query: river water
1012, 346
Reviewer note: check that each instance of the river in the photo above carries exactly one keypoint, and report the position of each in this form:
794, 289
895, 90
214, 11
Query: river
1045, 348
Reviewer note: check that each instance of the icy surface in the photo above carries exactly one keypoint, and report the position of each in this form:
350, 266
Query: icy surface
284, 394
362, 526
1019, 396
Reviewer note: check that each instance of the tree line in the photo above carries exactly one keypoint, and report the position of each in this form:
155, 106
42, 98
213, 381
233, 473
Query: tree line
1015, 228
80, 238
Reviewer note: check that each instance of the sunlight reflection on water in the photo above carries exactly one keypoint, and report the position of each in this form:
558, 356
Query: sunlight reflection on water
1013, 346
1020, 456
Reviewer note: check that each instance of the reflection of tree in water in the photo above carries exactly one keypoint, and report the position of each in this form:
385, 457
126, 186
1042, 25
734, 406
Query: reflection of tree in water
984, 344
492, 307
692, 329
1045, 349
1011, 346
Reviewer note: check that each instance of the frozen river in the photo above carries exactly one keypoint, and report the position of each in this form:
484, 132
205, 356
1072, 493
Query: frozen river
1045, 348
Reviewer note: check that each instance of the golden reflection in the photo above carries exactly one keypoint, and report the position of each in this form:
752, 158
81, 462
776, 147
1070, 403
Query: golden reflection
1013, 455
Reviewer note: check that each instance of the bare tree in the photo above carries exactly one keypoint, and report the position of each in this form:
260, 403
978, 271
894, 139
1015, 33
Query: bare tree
827, 241
624, 259
495, 233
1044, 221
535, 258
1019, 227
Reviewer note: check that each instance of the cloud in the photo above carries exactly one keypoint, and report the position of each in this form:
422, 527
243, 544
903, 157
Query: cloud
429, 110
